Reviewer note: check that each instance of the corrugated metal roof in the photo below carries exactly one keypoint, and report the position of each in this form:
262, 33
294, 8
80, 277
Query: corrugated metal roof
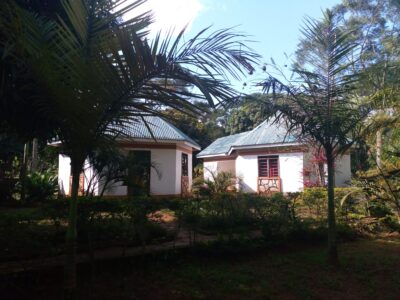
160, 130
267, 133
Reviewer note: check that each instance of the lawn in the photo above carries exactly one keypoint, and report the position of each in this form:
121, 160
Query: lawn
370, 269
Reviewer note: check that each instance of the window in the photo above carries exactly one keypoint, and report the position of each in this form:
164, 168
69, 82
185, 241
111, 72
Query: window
185, 164
268, 166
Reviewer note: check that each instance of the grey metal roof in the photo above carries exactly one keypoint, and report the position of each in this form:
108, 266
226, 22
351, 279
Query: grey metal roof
267, 133
160, 130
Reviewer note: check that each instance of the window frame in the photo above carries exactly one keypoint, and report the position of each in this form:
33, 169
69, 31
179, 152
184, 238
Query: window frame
268, 158
184, 164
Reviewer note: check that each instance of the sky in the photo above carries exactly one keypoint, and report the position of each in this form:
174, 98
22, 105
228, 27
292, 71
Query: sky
274, 25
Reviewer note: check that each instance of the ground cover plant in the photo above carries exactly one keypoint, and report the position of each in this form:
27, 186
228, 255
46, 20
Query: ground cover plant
369, 270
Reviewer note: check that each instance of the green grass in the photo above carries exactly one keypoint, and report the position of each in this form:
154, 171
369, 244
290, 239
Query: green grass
369, 269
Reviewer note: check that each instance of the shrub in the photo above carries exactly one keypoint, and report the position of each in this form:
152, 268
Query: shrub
379, 209
7, 189
228, 213
316, 200
40, 186
220, 182
391, 223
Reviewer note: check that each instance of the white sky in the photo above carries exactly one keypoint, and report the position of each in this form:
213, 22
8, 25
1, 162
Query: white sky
170, 14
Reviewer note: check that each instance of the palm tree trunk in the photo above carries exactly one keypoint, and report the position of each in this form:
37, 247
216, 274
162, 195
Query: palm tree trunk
70, 286
34, 162
379, 148
332, 245
24, 172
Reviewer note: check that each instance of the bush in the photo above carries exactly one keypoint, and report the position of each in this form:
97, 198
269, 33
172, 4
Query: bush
391, 223
220, 182
379, 209
228, 213
316, 199
7, 189
40, 186
41, 230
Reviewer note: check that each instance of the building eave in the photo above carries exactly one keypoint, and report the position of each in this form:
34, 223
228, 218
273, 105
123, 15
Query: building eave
249, 147
277, 145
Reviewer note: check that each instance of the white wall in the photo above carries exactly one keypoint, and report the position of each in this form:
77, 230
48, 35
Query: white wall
247, 171
165, 162
91, 180
343, 170
291, 167
64, 172
219, 166
291, 171
115, 189
209, 167
162, 176
165, 177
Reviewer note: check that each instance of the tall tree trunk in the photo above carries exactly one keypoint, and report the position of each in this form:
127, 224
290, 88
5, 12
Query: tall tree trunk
23, 172
332, 245
379, 148
34, 162
70, 284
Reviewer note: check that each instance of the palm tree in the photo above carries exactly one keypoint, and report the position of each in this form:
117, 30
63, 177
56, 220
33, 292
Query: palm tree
321, 103
96, 71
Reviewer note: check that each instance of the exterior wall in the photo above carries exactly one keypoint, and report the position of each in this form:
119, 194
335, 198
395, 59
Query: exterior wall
64, 172
291, 171
291, 167
91, 181
247, 172
219, 166
116, 188
165, 176
178, 166
310, 167
163, 179
343, 170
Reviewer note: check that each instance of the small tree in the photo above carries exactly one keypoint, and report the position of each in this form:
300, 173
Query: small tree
320, 102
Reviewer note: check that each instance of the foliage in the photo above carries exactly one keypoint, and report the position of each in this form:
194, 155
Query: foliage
89, 74
11, 150
204, 127
229, 213
219, 182
248, 112
381, 186
41, 186
316, 200
320, 102
348, 201
375, 25
102, 223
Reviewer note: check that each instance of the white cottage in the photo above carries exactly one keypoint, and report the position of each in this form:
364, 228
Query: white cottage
267, 159
166, 148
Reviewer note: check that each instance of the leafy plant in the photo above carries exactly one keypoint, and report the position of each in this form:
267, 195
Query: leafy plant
41, 186
219, 182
